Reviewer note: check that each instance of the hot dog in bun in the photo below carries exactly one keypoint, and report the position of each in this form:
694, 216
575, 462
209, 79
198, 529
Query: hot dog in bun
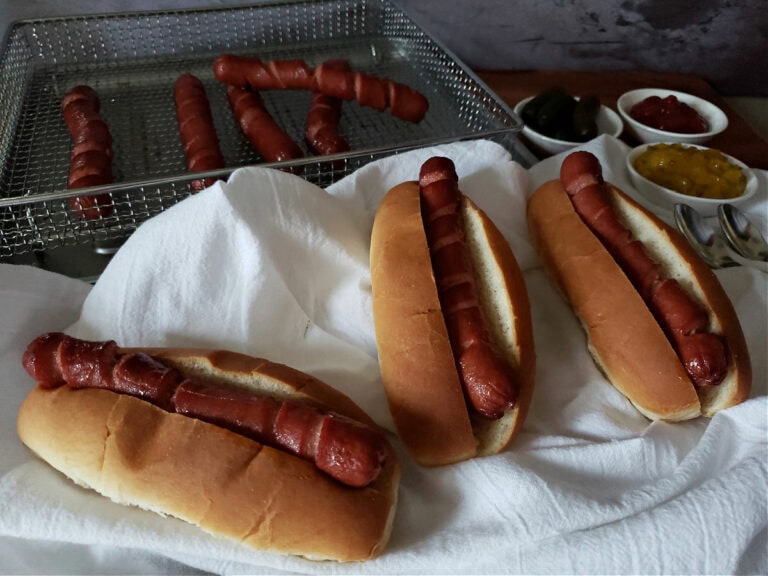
242, 447
452, 319
658, 322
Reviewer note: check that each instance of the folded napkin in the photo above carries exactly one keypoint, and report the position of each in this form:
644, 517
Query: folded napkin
270, 265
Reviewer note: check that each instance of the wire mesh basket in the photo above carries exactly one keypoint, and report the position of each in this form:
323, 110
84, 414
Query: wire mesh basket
133, 59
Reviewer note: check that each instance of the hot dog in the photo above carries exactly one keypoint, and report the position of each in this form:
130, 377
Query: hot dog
91, 157
663, 331
196, 128
322, 134
271, 448
452, 319
260, 128
328, 79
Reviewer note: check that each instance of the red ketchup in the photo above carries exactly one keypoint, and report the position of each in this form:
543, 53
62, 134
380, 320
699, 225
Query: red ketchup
669, 114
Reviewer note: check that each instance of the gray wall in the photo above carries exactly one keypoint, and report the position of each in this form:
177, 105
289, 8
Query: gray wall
725, 41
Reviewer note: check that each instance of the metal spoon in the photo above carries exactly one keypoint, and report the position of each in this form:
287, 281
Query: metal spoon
741, 234
705, 239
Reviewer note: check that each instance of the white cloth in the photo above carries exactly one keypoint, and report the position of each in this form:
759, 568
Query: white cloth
270, 265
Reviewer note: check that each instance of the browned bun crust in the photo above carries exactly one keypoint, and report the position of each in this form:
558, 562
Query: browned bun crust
624, 338
417, 366
135, 453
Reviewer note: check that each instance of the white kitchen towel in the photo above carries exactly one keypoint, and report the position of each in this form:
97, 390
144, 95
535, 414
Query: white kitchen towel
270, 265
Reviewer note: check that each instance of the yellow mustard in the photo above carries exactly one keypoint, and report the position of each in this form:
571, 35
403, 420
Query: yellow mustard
691, 171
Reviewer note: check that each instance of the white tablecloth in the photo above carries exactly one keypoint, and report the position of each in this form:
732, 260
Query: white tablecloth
270, 265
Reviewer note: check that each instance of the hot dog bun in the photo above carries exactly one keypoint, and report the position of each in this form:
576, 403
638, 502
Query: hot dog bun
624, 338
415, 358
135, 453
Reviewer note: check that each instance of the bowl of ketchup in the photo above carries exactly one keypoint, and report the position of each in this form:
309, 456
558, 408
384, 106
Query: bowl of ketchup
657, 115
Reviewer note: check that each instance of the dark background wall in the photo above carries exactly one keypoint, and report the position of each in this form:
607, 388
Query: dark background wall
724, 41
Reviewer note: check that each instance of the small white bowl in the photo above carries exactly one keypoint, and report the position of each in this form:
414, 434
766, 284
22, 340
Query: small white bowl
665, 198
716, 118
608, 122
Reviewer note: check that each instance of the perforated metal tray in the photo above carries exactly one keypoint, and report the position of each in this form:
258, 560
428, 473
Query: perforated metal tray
132, 60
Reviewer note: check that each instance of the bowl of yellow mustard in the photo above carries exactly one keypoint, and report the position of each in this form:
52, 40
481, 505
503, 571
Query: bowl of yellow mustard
671, 173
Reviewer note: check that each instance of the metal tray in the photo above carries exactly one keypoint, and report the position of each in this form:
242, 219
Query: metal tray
133, 59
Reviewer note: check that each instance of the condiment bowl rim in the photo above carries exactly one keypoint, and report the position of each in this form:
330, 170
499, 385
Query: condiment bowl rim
695, 101
615, 119
749, 189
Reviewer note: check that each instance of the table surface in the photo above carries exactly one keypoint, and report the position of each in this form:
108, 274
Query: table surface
739, 140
